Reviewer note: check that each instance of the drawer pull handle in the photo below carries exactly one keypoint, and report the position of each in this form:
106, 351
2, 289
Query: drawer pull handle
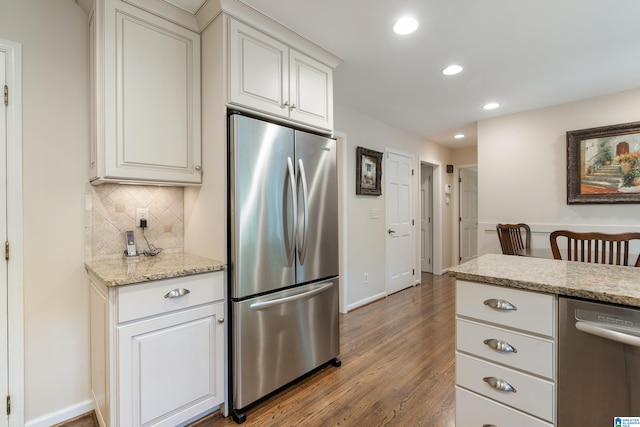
489, 425
500, 304
178, 292
499, 384
500, 345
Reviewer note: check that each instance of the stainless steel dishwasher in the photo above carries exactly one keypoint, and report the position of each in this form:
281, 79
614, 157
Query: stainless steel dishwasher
598, 363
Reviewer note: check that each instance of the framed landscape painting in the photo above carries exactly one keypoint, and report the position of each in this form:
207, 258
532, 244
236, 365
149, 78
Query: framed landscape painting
368, 172
603, 164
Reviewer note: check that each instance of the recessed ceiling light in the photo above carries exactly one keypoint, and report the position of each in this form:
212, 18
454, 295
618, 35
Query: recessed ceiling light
405, 25
458, 136
451, 70
490, 106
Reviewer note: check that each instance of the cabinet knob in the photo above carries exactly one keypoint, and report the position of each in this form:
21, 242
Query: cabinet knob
286, 104
220, 319
198, 168
293, 106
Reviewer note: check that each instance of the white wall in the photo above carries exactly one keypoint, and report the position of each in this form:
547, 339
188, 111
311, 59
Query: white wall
465, 156
366, 237
522, 170
53, 35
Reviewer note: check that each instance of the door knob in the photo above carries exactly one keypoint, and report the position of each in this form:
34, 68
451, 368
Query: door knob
391, 231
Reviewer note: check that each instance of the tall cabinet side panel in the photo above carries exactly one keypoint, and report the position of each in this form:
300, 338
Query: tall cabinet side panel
99, 353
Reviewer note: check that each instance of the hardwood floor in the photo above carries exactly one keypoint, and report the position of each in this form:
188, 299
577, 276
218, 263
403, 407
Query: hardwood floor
397, 368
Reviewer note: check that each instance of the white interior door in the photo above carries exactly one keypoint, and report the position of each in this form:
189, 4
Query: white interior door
468, 214
11, 271
400, 224
426, 218
4, 364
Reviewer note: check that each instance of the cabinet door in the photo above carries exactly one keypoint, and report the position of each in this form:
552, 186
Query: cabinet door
258, 70
310, 91
151, 97
171, 367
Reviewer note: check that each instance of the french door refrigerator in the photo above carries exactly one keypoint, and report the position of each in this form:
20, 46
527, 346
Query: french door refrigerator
283, 252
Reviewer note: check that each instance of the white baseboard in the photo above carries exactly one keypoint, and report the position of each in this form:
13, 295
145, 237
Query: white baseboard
366, 301
61, 415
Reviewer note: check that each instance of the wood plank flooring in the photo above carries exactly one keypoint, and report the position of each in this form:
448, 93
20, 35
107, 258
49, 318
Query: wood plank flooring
397, 368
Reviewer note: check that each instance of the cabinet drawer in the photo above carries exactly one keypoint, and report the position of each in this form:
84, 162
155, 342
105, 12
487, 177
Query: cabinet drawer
535, 312
533, 395
148, 299
473, 410
532, 354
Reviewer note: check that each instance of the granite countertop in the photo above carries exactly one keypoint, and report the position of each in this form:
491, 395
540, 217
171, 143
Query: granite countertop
607, 283
116, 272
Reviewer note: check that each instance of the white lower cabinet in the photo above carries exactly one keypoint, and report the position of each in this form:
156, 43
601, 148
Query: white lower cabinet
505, 356
166, 365
479, 411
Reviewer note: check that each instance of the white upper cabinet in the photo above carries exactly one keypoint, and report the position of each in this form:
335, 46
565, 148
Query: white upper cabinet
268, 76
145, 78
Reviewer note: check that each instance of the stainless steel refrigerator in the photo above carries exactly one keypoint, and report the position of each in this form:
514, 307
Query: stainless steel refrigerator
283, 252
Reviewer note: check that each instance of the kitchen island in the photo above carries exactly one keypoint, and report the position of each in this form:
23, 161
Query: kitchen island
157, 339
605, 283
510, 325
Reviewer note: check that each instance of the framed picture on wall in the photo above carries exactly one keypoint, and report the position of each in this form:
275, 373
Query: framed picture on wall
603, 164
368, 172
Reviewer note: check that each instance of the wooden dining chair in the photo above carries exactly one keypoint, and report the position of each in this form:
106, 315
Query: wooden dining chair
514, 237
598, 248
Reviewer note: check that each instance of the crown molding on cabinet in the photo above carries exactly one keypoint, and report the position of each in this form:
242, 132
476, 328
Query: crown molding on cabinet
210, 9
250, 16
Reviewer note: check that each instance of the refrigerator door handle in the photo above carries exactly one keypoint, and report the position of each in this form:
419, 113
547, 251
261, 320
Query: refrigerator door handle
294, 195
304, 295
302, 247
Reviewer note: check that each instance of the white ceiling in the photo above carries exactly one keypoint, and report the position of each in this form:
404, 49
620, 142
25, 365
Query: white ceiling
524, 54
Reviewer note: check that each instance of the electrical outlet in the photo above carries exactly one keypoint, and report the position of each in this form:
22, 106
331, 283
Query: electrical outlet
366, 277
142, 213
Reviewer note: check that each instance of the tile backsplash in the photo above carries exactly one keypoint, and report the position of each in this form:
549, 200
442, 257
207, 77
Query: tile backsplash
110, 210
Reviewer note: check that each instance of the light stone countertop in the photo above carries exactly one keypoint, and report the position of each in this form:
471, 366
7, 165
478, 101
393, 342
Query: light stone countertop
116, 272
607, 283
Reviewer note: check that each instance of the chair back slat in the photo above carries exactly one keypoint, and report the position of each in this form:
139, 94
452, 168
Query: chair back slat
599, 248
513, 237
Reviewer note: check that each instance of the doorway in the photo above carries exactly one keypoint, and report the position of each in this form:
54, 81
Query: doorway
468, 213
11, 296
400, 223
426, 218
